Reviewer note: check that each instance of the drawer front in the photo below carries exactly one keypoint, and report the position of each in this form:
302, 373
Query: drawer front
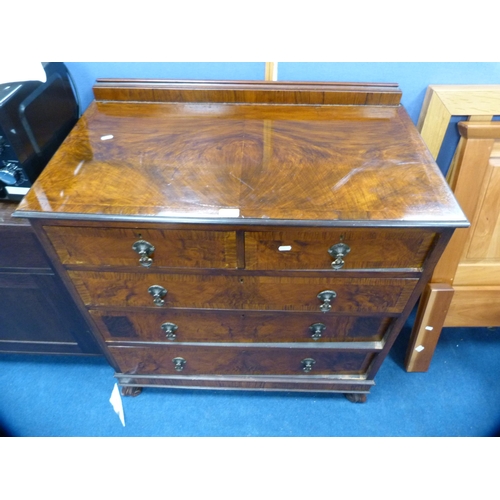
234, 326
19, 248
36, 315
193, 360
309, 249
238, 292
90, 246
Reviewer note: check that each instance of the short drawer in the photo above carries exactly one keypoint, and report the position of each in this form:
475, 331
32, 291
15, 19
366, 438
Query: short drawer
242, 292
236, 326
337, 249
89, 246
194, 360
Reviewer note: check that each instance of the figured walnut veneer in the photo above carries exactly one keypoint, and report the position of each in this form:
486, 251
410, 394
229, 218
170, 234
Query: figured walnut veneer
242, 292
243, 189
237, 326
167, 161
235, 360
173, 248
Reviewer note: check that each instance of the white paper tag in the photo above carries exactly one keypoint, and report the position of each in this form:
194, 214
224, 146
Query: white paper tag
229, 212
116, 402
285, 248
429, 328
420, 348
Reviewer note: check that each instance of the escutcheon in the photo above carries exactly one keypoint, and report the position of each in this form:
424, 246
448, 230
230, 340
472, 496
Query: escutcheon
179, 364
144, 249
307, 364
169, 329
316, 330
326, 296
338, 252
158, 292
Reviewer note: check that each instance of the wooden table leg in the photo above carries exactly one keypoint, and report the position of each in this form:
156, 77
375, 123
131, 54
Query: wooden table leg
431, 314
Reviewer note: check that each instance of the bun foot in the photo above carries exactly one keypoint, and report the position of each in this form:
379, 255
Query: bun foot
131, 391
356, 397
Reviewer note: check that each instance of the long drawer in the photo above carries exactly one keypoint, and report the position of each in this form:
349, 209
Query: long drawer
337, 248
103, 247
198, 360
242, 292
236, 326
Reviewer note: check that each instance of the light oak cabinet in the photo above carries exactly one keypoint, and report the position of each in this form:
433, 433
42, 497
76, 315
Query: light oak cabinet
465, 288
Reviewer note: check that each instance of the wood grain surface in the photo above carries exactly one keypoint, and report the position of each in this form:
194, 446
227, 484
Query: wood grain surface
308, 249
244, 163
242, 187
157, 360
243, 292
108, 246
236, 326
219, 91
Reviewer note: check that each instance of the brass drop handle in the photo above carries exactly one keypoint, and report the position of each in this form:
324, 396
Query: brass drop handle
307, 364
326, 297
179, 364
158, 292
338, 252
316, 330
169, 329
144, 249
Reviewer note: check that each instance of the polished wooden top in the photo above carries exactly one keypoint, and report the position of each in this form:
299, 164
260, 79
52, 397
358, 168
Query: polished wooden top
243, 163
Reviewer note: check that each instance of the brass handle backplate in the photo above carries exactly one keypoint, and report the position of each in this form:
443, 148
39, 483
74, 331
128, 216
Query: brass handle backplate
307, 364
169, 329
179, 364
338, 252
144, 249
316, 330
326, 296
158, 292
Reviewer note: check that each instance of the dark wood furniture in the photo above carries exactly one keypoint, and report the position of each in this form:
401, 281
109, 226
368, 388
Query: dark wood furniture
244, 235
37, 315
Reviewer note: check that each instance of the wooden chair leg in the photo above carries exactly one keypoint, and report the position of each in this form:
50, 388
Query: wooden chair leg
431, 314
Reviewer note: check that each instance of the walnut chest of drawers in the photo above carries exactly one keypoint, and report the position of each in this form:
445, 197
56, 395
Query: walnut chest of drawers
244, 235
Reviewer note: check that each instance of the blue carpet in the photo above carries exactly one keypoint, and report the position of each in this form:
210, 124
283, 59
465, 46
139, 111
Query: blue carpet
69, 396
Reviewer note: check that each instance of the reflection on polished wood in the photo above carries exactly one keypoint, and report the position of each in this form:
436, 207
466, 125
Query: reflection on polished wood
244, 162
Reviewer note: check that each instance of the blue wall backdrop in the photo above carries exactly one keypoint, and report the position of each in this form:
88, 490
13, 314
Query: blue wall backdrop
85, 73
413, 78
